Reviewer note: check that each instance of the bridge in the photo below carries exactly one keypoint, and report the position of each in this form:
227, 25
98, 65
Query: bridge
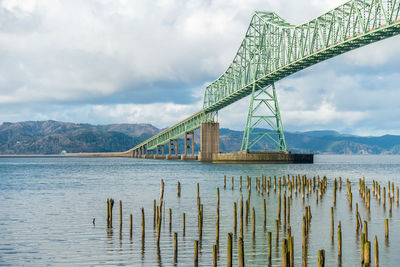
272, 50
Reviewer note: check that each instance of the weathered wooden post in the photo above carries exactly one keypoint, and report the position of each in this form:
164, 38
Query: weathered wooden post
214, 255
154, 213
224, 181
170, 220
120, 214
254, 222
376, 254
143, 226
367, 254
130, 226
229, 251
241, 252
285, 262
386, 228
175, 247
269, 245
179, 189
183, 224
160, 212
234, 218
196, 253
321, 258
265, 214
217, 229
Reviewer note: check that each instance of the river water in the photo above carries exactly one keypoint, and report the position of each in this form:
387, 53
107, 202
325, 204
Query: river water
47, 207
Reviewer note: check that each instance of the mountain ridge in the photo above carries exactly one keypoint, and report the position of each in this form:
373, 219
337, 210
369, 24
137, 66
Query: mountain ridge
52, 137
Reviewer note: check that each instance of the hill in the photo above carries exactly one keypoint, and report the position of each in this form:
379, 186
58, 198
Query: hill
52, 137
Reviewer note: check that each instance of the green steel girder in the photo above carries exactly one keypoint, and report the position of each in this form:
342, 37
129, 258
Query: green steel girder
273, 49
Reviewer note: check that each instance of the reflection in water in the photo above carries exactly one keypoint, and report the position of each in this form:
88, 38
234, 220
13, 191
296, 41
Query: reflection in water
159, 257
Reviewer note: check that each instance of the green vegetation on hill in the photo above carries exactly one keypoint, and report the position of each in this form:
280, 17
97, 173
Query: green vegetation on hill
52, 137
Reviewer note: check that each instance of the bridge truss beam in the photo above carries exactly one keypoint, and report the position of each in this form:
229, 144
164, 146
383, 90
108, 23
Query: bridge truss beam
273, 49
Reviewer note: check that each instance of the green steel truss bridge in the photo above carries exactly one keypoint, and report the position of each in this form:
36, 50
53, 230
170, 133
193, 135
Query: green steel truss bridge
273, 49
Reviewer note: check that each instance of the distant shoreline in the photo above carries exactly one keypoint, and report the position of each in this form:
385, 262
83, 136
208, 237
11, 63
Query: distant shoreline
36, 156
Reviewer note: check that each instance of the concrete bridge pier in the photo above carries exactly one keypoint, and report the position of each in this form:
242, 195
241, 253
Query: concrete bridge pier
159, 152
189, 144
209, 141
173, 149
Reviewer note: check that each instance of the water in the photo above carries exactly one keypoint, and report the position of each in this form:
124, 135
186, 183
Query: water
47, 206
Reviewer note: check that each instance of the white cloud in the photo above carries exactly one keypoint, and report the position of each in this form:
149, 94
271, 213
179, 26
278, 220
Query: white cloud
105, 61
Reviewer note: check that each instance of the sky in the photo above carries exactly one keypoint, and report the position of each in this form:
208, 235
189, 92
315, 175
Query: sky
138, 61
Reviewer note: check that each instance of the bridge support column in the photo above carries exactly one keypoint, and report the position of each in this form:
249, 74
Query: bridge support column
189, 144
159, 152
209, 140
173, 149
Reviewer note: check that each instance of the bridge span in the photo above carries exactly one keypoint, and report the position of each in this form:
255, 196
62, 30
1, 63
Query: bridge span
271, 50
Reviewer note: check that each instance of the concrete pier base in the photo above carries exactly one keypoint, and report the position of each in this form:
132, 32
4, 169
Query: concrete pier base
262, 157
188, 157
209, 141
158, 157
173, 157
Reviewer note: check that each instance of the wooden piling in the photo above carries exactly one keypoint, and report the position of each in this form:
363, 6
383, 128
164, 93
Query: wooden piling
179, 189
175, 247
285, 262
241, 217
241, 252
130, 226
218, 196
321, 258
376, 252
279, 207
170, 220
143, 226
339, 239
229, 251
217, 229
234, 218
183, 224
214, 255
269, 245
108, 213
196, 253
386, 228
384, 197
154, 213
254, 222
120, 214
277, 229
265, 214
224, 181
367, 254
240, 184
365, 228
160, 213
232, 182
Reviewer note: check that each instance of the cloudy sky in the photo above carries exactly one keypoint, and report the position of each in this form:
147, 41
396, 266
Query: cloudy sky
135, 61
